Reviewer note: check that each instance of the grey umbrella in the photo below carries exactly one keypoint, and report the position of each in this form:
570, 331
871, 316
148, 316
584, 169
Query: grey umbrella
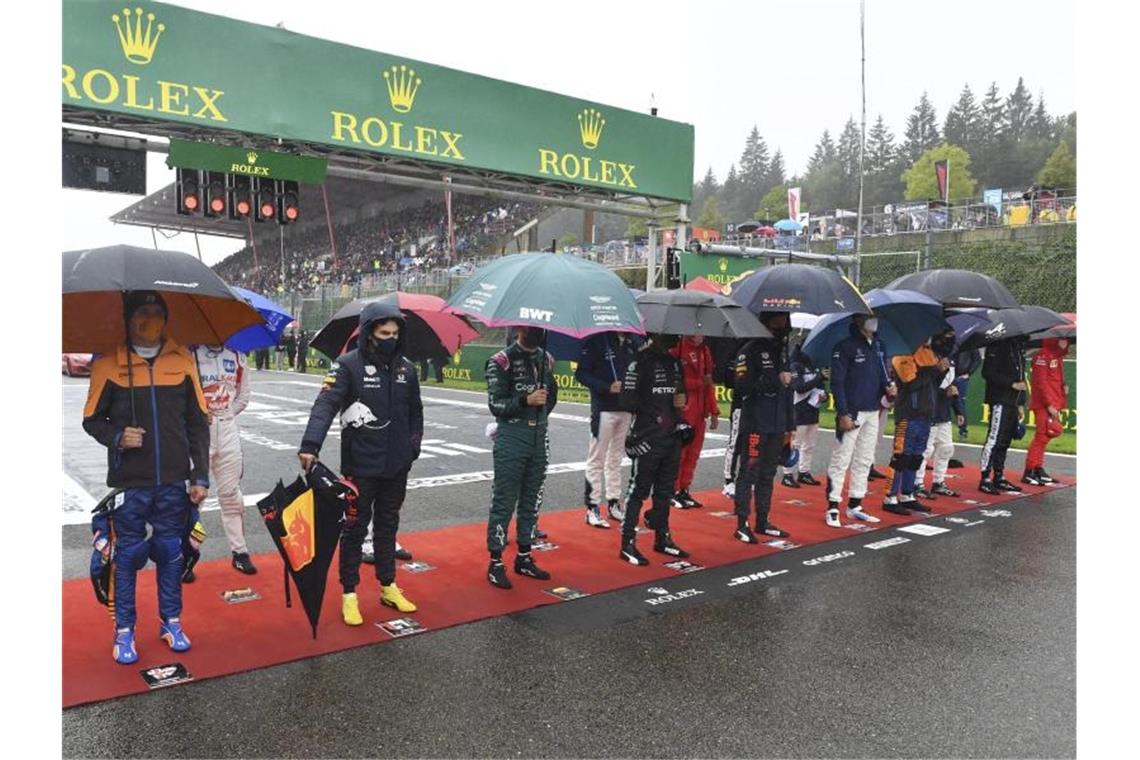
692, 312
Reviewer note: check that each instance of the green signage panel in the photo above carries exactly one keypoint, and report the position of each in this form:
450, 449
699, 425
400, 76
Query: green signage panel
169, 63
719, 269
255, 163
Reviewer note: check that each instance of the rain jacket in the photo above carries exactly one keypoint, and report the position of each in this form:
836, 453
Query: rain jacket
1048, 376
1003, 366
805, 379
168, 405
858, 374
604, 359
378, 399
650, 384
919, 378
766, 404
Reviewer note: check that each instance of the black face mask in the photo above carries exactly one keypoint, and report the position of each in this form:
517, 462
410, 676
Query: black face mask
532, 337
385, 346
943, 346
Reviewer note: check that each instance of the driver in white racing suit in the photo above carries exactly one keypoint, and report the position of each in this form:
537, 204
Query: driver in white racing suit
225, 384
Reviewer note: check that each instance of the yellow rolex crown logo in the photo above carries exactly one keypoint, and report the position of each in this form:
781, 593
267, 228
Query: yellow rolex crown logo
590, 124
251, 157
403, 84
723, 264
138, 43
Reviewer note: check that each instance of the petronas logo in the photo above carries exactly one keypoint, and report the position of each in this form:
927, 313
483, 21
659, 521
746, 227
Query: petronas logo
138, 43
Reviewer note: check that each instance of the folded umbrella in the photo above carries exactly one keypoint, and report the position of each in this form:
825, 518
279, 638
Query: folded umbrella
274, 321
430, 329
201, 307
798, 287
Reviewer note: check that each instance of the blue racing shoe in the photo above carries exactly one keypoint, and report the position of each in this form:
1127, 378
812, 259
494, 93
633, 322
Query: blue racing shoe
124, 649
171, 632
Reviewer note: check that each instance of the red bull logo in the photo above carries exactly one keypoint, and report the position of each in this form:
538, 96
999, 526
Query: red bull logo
300, 539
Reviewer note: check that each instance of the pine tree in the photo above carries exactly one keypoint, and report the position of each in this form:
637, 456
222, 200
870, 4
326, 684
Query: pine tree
824, 152
963, 121
776, 170
881, 149
731, 196
753, 170
705, 189
1040, 124
921, 130
847, 152
1018, 111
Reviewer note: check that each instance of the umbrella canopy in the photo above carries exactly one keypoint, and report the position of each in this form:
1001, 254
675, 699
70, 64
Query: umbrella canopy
305, 521
788, 225
966, 323
958, 288
429, 329
201, 307
274, 321
557, 292
906, 320
798, 287
704, 285
566, 348
1013, 323
767, 231
1068, 330
690, 312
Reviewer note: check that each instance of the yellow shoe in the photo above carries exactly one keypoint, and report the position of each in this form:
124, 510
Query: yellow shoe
350, 610
392, 596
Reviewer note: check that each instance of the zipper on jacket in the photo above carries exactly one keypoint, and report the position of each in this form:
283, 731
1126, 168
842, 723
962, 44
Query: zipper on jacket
154, 421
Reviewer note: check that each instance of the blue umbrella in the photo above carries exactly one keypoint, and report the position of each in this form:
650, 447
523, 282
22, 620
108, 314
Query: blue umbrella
906, 320
788, 225
966, 323
266, 334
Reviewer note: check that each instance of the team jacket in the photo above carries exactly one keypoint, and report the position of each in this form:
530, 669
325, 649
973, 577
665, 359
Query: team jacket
696, 362
604, 359
381, 414
919, 378
651, 382
168, 405
858, 374
512, 375
224, 378
1003, 366
766, 405
1048, 376
805, 379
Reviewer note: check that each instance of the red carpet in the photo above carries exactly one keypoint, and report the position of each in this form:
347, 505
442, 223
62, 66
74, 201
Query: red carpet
231, 638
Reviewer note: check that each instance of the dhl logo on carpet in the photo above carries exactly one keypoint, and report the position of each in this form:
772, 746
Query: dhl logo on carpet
300, 539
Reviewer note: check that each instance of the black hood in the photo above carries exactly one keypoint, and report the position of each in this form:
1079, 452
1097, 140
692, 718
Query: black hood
378, 311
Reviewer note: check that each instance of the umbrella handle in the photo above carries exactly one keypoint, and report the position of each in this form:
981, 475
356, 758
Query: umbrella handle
288, 596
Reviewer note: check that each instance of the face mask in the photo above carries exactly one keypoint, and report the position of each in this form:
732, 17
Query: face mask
697, 340
385, 346
871, 325
532, 337
148, 330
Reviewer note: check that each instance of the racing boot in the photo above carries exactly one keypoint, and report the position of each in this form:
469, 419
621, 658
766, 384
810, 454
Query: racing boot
243, 564
615, 509
664, 544
524, 565
124, 650
808, 479
497, 574
171, 632
392, 596
744, 533
403, 554
1001, 484
790, 481
350, 610
630, 554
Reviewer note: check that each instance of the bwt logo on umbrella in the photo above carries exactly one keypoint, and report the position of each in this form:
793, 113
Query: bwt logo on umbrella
538, 314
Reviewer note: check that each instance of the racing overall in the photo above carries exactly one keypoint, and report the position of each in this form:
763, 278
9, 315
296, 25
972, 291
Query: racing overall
1003, 366
700, 402
522, 446
919, 377
225, 384
651, 384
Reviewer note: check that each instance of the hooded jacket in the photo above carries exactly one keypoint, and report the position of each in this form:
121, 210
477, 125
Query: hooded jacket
919, 378
168, 405
1003, 366
378, 400
604, 359
858, 374
766, 404
1048, 376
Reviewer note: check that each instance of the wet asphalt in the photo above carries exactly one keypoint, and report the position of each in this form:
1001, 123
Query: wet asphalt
957, 645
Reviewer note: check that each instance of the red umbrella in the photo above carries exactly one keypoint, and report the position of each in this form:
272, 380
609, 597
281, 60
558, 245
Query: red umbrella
429, 328
704, 285
767, 231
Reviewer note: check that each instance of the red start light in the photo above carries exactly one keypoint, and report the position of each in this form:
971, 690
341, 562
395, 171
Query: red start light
291, 213
243, 207
267, 209
190, 202
218, 204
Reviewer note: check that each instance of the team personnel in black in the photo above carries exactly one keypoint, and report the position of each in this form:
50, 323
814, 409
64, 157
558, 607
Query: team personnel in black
1004, 372
767, 418
653, 390
376, 392
809, 394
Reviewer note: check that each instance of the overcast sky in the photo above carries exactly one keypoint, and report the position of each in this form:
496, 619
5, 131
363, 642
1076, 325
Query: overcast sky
789, 67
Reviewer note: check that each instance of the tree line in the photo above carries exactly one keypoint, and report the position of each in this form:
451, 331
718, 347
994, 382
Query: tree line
1008, 142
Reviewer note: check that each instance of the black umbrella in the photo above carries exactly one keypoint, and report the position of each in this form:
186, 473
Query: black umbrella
305, 523
958, 288
202, 309
1013, 323
692, 312
798, 287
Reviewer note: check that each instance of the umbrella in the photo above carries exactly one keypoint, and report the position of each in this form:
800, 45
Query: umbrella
274, 321
966, 323
958, 288
429, 329
689, 312
803, 321
557, 292
1013, 323
788, 225
1067, 330
767, 231
305, 521
704, 285
566, 348
798, 287
201, 307
906, 320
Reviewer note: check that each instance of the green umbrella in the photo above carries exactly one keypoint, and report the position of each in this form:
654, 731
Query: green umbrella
554, 291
